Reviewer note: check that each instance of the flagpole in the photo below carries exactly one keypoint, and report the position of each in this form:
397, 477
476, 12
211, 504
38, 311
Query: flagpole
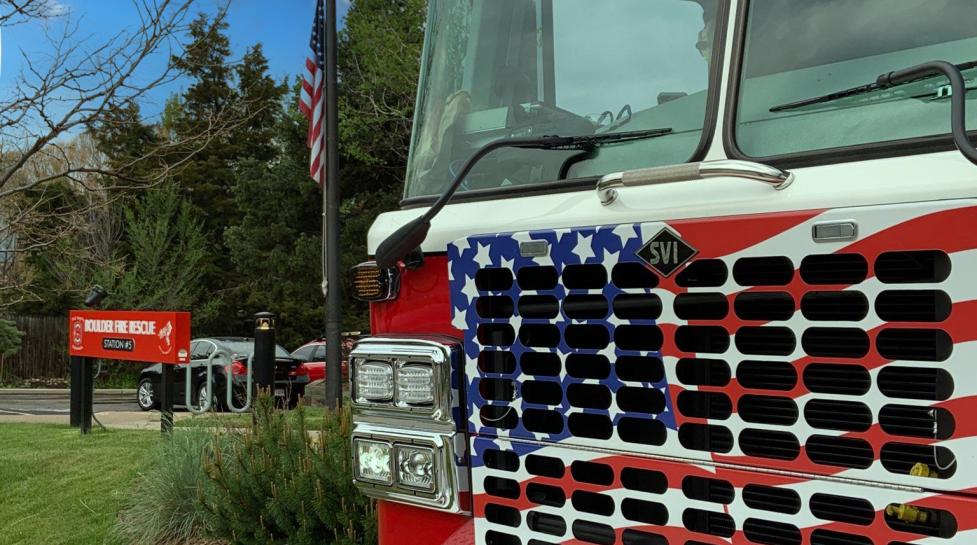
331, 221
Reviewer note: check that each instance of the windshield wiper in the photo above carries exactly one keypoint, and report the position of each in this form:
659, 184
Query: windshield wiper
404, 240
885, 81
958, 96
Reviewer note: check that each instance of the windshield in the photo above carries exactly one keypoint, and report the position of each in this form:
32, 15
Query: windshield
245, 348
496, 69
800, 49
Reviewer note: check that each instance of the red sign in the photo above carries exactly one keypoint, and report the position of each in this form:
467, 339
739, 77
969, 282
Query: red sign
155, 337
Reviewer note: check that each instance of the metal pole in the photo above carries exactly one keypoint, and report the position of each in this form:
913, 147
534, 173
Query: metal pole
86, 395
331, 221
74, 417
167, 392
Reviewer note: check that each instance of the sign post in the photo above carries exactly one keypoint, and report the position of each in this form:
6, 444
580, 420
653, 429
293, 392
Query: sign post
145, 336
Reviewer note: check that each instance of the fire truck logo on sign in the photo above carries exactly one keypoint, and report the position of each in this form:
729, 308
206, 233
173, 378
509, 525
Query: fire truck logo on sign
666, 252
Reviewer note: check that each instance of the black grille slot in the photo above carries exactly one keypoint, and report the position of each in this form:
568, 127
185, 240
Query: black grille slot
929, 521
830, 537
766, 341
493, 279
912, 421
638, 337
766, 375
497, 538
637, 306
902, 457
913, 306
912, 267
767, 410
837, 306
641, 400
503, 514
545, 523
592, 472
542, 421
644, 480
495, 334
763, 271
592, 502
704, 273
777, 445
585, 307
637, 537
545, 466
701, 339
503, 460
711, 490
588, 366
648, 512
705, 437
639, 368
914, 344
498, 416
633, 275
497, 306
769, 498
540, 363
835, 342
491, 361
542, 392
708, 522
701, 306
767, 306
712, 405
537, 278
842, 509
538, 307
594, 426
703, 372
829, 414
544, 494
585, 277
839, 451
539, 335
593, 532
839, 269
915, 383
502, 488
585, 336
642, 431
589, 396
836, 378
767, 532
497, 389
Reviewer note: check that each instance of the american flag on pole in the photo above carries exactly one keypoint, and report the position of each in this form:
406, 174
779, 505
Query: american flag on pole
311, 101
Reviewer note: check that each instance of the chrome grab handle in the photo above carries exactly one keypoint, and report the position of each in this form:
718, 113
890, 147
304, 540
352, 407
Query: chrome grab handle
210, 383
230, 389
608, 185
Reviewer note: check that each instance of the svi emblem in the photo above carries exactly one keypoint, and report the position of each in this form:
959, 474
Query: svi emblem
666, 252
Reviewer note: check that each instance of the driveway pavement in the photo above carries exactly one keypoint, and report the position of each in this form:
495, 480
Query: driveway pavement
114, 408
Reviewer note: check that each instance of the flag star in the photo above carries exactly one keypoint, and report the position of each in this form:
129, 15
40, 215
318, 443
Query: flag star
482, 256
584, 248
625, 232
469, 290
507, 263
460, 320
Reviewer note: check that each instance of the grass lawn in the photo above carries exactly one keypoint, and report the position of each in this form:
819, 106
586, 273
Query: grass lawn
58, 487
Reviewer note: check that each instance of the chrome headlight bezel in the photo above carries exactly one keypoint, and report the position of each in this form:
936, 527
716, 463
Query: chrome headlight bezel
449, 477
441, 355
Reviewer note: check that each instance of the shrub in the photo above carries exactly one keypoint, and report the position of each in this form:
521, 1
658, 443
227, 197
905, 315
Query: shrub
275, 484
163, 508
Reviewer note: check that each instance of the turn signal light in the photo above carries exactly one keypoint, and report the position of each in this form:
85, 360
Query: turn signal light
373, 284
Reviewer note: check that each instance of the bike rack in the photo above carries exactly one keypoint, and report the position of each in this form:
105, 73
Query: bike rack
205, 407
247, 394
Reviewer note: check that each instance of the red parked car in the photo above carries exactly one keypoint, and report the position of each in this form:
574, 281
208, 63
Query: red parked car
313, 358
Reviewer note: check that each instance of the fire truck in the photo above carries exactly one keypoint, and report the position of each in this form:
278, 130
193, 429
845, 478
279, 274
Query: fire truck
679, 272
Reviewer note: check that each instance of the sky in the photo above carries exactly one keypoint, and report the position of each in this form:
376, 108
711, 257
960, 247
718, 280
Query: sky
283, 27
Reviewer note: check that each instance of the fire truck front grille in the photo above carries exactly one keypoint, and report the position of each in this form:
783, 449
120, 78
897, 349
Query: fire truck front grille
850, 360
554, 495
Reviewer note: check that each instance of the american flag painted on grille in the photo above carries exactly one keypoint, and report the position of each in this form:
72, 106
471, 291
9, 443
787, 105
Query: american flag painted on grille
311, 99
784, 410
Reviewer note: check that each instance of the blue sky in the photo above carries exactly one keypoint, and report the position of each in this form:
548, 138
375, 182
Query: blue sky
283, 27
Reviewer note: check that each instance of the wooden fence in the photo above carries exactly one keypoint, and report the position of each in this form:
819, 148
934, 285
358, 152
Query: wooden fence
43, 352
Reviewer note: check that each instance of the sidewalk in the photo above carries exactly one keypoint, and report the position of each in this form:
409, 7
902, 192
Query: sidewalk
130, 420
104, 395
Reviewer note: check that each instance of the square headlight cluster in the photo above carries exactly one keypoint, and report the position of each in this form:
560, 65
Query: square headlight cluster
402, 377
407, 466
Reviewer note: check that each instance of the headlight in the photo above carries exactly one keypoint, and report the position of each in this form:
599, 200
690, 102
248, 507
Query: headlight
374, 381
415, 385
373, 461
415, 467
